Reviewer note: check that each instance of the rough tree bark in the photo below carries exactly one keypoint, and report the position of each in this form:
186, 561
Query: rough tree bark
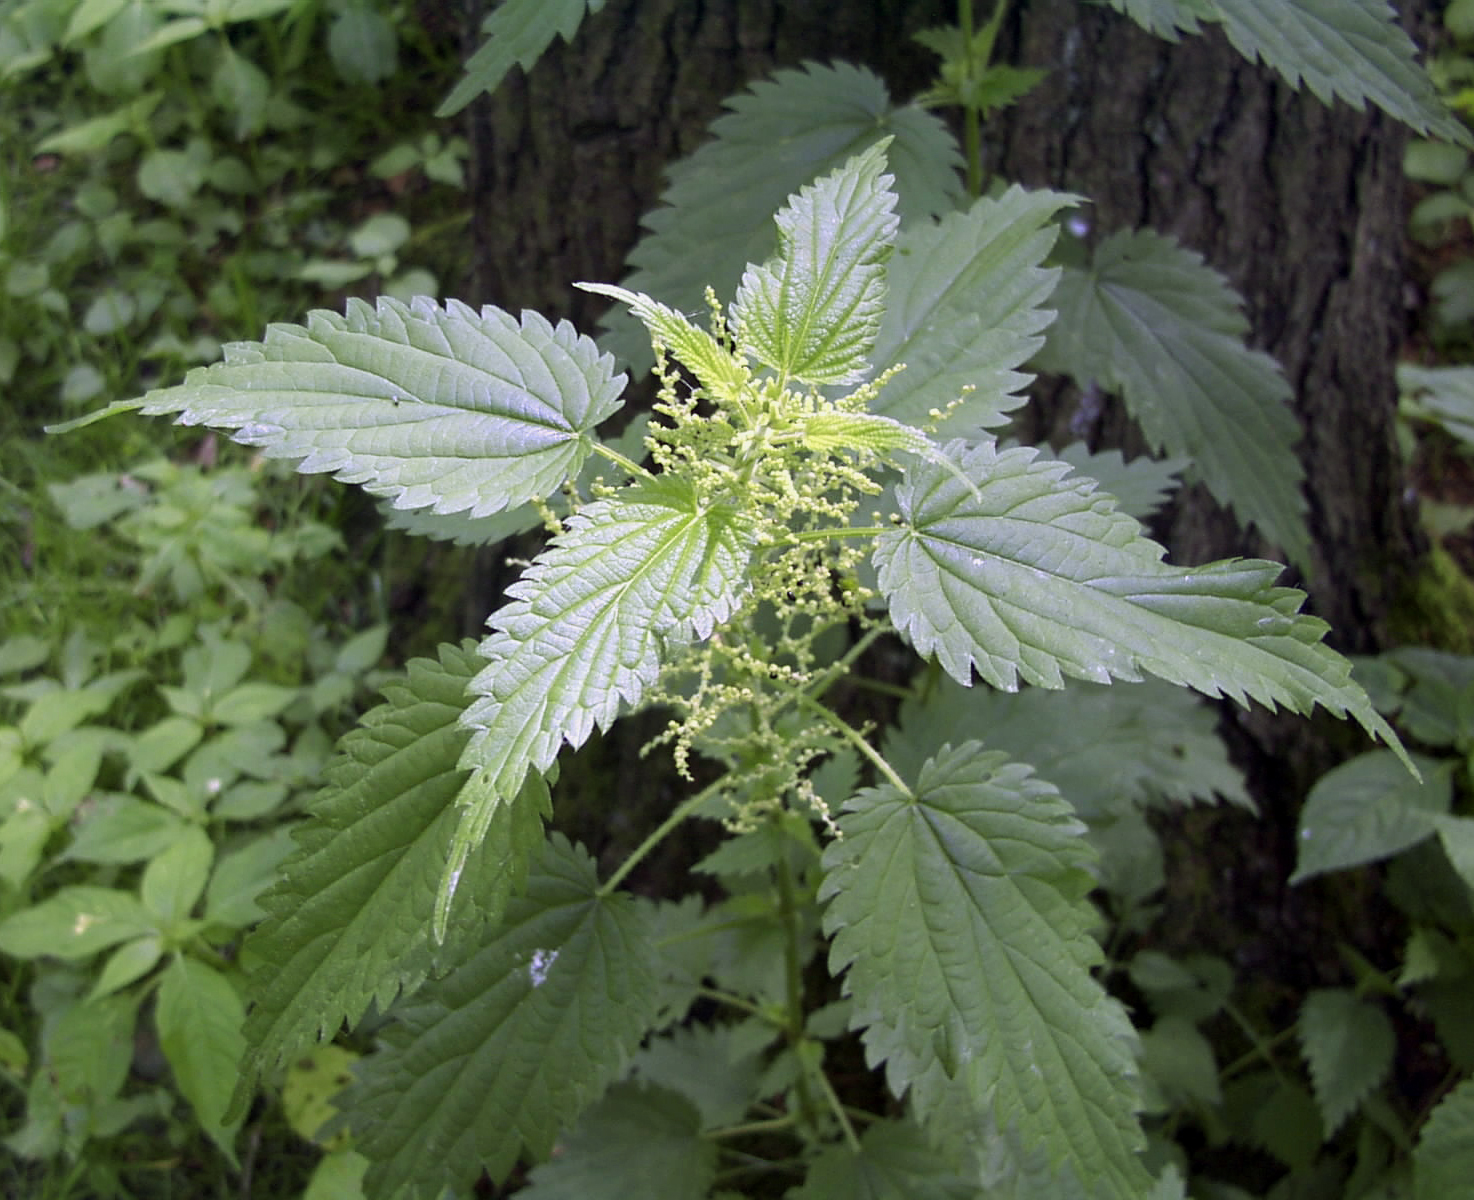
1299, 204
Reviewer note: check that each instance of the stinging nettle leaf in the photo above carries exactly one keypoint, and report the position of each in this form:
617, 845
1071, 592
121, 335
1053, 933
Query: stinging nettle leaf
1039, 576
1368, 809
349, 922
1353, 50
1349, 1045
963, 310
590, 620
1444, 1158
510, 1047
959, 913
517, 32
812, 312
1151, 320
716, 216
444, 408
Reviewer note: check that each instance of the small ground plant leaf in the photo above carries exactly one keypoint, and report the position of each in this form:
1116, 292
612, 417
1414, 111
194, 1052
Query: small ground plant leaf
590, 619
1150, 319
1443, 1161
199, 1017
349, 922
963, 310
508, 1049
444, 408
959, 914
516, 32
1039, 576
812, 312
1349, 1045
638, 1141
779, 135
1366, 810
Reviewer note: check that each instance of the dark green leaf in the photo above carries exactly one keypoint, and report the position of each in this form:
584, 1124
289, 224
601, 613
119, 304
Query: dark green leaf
509, 1048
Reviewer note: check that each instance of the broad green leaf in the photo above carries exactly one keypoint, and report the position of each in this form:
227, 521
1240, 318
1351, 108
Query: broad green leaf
708, 1065
1368, 809
896, 1162
1443, 1161
445, 408
1150, 320
638, 1141
812, 312
1457, 837
89, 1047
1352, 50
1141, 487
963, 310
242, 874
349, 922
1106, 749
1039, 577
199, 1017
590, 622
1349, 1045
1165, 18
959, 912
1178, 1063
76, 922
517, 32
508, 1049
779, 135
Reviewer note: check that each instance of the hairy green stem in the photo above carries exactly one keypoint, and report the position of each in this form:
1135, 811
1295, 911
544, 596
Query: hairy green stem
972, 138
793, 1025
854, 737
629, 464
677, 815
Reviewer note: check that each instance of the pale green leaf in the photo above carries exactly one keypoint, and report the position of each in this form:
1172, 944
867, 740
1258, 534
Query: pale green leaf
508, 1049
779, 135
130, 961
199, 1017
363, 45
1443, 1161
964, 310
959, 913
1106, 749
445, 408
1441, 394
1368, 809
895, 1162
1141, 487
175, 879
516, 32
714, 366
1165, 18
1457, 836
122, 829
1038, 577
1352, 50
1150, 320
639, 1141
1349, 1045
812, 312
76, 922
1178, 1062
590, 621
349, 922
708, 1065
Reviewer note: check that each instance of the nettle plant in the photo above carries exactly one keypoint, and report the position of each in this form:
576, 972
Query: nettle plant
820, 477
